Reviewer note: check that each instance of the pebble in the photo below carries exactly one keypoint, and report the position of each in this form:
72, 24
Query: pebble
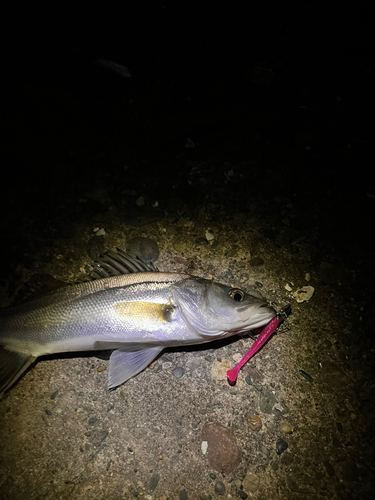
329, 469
220, 368
281, 446
237, 357
242, 495
255, 422
306, 376
145, 248
304, 294
213, 475
209, 236
178, 372
219, 488
48, 412
251, 482
267, 401
285, 428
223, 453
53, 395
98, 437
154, 481
101, 368
95, 247
183, 495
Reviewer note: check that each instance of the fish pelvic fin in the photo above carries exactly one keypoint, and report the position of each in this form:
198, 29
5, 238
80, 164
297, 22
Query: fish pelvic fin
125, 364
12, 365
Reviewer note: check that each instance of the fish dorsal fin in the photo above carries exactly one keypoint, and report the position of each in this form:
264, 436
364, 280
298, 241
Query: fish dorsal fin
119, 262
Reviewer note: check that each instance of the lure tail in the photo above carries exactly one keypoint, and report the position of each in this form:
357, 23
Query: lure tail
262, 339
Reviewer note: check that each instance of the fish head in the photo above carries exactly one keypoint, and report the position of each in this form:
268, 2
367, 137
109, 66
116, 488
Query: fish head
217, 310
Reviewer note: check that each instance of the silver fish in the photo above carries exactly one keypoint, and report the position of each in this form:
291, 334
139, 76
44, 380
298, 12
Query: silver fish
137, 315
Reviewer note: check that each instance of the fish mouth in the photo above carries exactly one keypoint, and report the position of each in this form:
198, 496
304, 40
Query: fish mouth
256, 317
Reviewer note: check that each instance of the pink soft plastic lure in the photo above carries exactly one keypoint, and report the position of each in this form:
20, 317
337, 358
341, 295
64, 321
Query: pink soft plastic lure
262, 339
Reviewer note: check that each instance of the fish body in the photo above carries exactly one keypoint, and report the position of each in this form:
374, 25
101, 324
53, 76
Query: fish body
137, 315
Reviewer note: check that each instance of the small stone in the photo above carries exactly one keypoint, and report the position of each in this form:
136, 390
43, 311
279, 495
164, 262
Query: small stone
213, 475
220, 368
281, 446
204, 447
251, 482
237, 357
92, 421
304, 294
53, 395
154, 481
306, 376
140, 201
145, 248
285, 428
329, 469
48, 412
101, 368
307, 276
288, 287
98, 437
243, 495
223, 453
183, 495
95, 247
209, 236
267, 401
219, 488
178, 372
100, 232
255, 422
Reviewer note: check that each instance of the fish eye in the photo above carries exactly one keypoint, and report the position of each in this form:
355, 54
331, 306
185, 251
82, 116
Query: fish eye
236, 294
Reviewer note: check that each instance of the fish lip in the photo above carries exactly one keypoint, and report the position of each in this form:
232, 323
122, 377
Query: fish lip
260, 317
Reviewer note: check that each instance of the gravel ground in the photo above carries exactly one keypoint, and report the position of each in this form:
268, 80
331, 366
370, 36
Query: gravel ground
250, 171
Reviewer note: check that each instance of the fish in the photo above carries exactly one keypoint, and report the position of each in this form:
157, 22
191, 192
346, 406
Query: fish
128, 307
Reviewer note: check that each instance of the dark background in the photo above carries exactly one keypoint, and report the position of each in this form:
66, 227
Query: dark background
199, 71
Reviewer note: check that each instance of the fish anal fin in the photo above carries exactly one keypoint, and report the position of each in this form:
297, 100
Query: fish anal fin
124, 364
12, 366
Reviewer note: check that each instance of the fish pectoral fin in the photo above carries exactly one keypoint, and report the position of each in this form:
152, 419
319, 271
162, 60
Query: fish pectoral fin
12, 366
124, 364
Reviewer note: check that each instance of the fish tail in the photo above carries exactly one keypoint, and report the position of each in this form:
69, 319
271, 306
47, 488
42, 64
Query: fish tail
12, 366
